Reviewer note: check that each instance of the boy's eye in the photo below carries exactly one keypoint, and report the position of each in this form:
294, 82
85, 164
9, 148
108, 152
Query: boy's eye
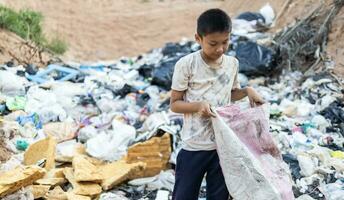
212, 44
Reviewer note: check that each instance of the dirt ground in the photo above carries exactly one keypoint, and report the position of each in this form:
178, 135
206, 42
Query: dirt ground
5, 154
107, 29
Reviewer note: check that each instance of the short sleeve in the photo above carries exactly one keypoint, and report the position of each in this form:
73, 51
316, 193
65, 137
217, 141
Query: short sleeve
180, 76
236, 83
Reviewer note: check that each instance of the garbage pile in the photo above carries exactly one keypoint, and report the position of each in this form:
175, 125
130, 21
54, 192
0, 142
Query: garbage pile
104, 130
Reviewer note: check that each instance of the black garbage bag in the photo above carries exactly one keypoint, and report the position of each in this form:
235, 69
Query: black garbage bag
251, 16
142, 99
335, 113
20, 73
31, 69
294, 166
126, 89
9, 63
146, 70
173, 49
254, 59
162, 75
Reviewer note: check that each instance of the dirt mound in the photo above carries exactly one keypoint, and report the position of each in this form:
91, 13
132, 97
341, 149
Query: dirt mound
5, 154
12, 47
106, 30
335, 46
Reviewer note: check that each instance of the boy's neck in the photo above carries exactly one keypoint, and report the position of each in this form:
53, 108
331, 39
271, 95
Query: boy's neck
211, 62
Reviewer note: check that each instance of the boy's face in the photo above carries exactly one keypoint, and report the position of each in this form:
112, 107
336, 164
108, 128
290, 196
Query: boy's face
214, 45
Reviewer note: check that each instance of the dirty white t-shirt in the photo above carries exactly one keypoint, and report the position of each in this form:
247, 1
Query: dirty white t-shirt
202, 82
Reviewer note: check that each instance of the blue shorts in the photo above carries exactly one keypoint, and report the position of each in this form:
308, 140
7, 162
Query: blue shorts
190, 170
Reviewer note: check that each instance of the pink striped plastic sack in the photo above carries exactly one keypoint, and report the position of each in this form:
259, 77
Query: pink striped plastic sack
251, 162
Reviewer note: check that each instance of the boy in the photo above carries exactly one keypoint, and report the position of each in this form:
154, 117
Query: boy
201, 80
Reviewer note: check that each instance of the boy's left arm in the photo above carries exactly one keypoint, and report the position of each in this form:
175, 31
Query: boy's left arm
253, 96
238, 93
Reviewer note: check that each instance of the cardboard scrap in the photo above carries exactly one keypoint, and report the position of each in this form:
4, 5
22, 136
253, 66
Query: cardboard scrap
39, 191
82, 188
56, 194
117, 172
60, 130
155, 152
85, 170
51, 181
72, 196
42, 149
80, 149
22, 176
55, 173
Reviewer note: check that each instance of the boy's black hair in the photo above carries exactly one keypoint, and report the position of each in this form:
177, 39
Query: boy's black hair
213, 20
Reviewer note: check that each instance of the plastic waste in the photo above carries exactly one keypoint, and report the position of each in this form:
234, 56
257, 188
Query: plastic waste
293, 165
254, 59
164, 180
112, 196
304, 197
53, 72
301, 142
22, 145
337, 154
114, 143
268, 13
251, 16
307, 164
45, 104
87, 133
10, 84
333, 191
321, 122
162, 195
67, 148
2, 109
16, 103
162, 74
22, 194
33, 119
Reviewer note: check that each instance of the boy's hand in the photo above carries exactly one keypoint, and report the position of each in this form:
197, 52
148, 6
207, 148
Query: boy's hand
254, 97
204, 110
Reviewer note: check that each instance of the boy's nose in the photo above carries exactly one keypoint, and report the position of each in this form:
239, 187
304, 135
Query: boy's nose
219, 50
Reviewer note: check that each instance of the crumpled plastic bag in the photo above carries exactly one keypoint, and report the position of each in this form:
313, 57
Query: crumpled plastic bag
111, 196
10, 84
86, 133
45, 104
113, 144
16, 103
164, 180
61, 131
251, 163
333, 191
33, 119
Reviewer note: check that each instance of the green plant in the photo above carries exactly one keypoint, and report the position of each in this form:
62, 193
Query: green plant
57, 46
28, 25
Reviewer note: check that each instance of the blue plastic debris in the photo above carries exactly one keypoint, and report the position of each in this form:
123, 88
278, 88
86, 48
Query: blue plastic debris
64, 74
99, 68
22, 145
2, 108
33, 118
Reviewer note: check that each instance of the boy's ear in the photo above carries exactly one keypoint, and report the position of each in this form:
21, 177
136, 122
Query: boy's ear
198, 38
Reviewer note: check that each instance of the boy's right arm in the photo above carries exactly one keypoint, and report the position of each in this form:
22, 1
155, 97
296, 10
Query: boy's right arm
178, 105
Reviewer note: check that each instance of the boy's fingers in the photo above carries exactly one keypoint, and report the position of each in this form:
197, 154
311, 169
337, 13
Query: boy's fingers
251, 102
210, 113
